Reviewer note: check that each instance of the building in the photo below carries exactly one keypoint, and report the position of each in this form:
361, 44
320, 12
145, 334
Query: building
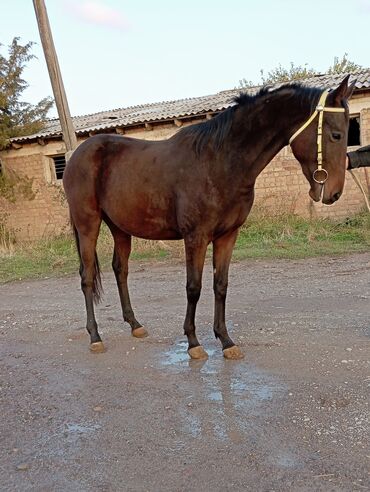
37, 207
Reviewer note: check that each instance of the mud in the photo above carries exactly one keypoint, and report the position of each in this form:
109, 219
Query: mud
292, 415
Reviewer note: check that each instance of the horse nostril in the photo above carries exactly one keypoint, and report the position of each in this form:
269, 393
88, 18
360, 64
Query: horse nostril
336, 196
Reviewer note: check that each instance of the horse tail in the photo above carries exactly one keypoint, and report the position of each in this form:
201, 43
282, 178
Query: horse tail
97, 284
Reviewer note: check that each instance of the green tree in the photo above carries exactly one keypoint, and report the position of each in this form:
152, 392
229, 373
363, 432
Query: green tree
18, 117
343, 65
281, 74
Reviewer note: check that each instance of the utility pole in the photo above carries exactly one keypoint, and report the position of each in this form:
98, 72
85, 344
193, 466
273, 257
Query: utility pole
69, 135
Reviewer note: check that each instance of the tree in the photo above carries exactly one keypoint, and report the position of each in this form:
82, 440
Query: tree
343, 65
18, 117
299, 72
281, 74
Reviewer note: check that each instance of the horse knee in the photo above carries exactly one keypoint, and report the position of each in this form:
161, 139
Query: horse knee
193, 291
220, 288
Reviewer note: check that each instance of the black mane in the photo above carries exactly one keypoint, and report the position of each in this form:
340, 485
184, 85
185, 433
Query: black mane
215, 130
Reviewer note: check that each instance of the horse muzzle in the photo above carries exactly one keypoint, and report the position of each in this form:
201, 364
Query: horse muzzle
317, 193
332, 199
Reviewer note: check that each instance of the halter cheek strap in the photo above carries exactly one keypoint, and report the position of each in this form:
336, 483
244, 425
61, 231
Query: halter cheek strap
320, 175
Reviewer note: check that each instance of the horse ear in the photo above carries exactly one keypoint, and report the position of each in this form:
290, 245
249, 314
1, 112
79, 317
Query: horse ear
350, 89
340, 92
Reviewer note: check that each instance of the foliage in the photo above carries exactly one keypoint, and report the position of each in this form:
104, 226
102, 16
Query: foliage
13, 185
343, 65
7, 239
245, 84
290, 236
281, 74
18, 117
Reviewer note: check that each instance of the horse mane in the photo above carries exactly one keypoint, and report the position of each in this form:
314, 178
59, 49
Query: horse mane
213, 132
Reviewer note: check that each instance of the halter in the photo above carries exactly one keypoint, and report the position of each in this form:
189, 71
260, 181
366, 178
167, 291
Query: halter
320, 175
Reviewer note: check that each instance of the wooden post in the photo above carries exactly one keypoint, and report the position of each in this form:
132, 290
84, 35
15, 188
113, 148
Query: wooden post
69, 135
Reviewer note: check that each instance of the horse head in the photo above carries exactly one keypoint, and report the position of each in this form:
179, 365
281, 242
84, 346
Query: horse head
320, 144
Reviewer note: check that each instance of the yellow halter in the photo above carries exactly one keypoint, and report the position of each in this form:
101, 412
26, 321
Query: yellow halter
320, 175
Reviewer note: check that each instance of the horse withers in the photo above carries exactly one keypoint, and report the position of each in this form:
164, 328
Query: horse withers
199, 186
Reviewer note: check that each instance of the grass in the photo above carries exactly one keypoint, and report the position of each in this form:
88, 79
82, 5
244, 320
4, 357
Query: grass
282, 236
58, 256
290, 236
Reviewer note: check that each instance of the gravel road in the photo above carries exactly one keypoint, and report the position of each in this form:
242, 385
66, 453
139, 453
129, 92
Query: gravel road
293, 415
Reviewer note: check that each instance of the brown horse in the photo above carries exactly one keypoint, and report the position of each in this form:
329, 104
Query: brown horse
199, 186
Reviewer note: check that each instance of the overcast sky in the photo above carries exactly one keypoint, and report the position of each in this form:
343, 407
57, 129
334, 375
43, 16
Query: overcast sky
118, 53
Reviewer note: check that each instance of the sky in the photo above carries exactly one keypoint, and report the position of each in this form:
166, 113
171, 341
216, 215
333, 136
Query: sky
120, 53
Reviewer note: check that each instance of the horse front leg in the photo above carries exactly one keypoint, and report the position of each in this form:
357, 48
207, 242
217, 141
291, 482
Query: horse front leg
195, 249
222, 252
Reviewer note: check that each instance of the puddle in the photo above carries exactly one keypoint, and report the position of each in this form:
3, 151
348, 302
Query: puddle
178, 354
81, 429
230, 399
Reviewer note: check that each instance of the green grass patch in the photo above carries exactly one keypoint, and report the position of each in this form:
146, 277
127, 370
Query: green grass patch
283, 236
58, 256
290, 236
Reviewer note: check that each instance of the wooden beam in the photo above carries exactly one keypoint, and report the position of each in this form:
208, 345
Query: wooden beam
16, 145
69, 135
177, 122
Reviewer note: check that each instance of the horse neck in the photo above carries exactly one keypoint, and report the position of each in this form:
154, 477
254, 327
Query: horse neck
258, 134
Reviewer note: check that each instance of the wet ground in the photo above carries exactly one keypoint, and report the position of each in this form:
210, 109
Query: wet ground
292, 416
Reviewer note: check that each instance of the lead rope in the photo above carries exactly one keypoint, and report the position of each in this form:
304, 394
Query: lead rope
359, 184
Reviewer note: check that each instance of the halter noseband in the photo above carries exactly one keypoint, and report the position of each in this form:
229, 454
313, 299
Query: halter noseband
320, 175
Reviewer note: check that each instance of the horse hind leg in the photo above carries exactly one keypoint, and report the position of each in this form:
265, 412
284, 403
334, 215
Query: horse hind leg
122, 250
90, 278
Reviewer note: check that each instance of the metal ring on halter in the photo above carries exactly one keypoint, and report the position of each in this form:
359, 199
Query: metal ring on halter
320, 176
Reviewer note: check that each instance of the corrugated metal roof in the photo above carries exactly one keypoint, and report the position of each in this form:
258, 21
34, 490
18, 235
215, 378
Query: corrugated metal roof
182, 108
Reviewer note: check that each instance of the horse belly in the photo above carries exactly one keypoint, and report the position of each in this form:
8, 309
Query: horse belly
150, 228
144, 218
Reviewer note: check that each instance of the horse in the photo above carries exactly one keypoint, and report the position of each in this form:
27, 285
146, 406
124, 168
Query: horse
198, 186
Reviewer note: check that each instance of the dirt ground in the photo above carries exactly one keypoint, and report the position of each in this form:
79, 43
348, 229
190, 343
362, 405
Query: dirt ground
292, 416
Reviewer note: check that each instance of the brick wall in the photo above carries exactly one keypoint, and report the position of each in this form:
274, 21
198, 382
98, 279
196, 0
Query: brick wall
44, 213
281, 186
365, 125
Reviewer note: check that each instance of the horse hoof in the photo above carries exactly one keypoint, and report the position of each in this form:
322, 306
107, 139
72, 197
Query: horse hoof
233, 353
198, 353
97, 347
139, 332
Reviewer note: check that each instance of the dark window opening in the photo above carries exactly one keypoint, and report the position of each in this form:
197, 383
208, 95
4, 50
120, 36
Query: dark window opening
354, 131
59, 164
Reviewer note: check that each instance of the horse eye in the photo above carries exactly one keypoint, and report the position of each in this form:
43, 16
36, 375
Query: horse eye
336, 136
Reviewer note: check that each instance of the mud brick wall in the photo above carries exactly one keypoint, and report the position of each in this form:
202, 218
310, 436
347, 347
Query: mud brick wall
39, 209
365, 125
